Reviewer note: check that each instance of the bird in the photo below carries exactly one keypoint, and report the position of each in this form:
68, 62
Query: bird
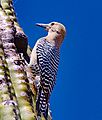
44, 62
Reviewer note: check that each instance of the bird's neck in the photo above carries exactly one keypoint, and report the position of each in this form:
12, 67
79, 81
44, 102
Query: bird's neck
54, 39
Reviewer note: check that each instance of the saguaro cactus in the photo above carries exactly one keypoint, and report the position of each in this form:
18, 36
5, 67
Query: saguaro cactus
17, 91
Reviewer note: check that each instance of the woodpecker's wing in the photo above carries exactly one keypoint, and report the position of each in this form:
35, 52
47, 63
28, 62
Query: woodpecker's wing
48, 60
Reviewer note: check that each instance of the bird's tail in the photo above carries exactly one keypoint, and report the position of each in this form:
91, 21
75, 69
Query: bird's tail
42, 104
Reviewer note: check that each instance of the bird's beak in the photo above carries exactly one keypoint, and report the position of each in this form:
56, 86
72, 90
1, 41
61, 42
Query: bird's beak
46, 26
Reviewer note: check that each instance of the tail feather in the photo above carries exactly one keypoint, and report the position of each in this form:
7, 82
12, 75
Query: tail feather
42, 104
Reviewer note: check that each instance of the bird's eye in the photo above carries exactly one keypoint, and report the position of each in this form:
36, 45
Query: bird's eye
52, 24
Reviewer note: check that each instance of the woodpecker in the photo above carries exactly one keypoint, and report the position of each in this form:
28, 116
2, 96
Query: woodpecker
44, 62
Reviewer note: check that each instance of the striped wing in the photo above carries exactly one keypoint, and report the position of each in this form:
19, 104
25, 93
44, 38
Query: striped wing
48, 60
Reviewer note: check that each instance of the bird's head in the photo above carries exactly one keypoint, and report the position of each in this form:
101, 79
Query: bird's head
56, 31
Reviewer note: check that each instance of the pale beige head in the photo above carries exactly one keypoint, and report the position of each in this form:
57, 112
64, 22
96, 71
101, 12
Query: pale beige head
56, 32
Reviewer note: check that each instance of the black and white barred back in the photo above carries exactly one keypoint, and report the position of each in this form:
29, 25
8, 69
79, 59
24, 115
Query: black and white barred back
48, 61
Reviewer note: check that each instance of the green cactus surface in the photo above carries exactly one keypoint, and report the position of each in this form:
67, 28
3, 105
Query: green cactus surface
17, 90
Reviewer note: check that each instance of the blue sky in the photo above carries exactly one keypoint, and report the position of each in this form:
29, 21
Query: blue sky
78, 92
